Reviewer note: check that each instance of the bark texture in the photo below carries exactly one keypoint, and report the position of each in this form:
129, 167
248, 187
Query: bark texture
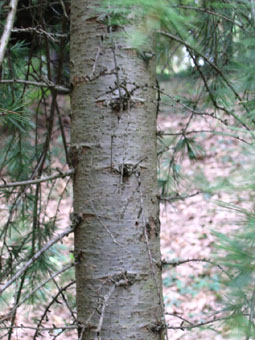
113, 150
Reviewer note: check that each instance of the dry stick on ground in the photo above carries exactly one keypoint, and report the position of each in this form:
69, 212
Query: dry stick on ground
7, 29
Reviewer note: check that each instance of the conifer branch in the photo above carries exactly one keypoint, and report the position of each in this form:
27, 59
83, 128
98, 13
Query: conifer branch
48, 245
207, 11
200, 54
35, 290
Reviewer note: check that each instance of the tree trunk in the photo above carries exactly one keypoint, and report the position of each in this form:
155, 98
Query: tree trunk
113, 150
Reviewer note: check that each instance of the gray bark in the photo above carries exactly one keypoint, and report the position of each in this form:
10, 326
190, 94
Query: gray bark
113, 150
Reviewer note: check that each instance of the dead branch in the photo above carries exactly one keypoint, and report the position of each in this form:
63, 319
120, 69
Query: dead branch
47, 83
7, 29
39, 180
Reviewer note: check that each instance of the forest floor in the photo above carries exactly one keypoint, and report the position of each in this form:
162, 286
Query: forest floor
192, 291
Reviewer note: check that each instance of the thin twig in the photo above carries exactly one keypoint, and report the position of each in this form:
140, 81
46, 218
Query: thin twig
63, 135
39, 30
215, 67
42, 328
64, 9
198, 113
59, 237
214, 101
180, 262
178, 197
251, 316
47, 309
65, 299
220, 133
207, 11
35, 290
39, 180
192, 325
253, 10
102, 314
7, 29
48, 83
13, 316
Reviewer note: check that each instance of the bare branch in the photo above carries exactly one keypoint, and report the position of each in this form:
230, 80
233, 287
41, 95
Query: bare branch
180, 262
39, 180
7, 29
253, 10
48, 83
39, 30
220, 133
192, 325
66, 327
178, 197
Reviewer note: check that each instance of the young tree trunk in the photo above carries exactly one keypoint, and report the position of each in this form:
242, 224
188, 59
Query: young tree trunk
113, 150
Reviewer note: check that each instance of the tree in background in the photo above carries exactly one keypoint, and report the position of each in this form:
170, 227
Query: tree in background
112, 155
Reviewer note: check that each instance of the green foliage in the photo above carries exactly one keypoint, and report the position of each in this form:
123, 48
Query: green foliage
28, 215
238, 259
